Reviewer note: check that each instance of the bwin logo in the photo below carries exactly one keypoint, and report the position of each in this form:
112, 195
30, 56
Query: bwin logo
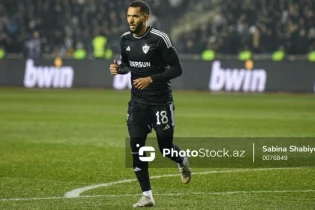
48, 76
144, 149
237, 79
122, 81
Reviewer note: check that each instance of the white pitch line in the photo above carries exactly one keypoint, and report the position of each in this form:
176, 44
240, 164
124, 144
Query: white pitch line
161, 194
76, 192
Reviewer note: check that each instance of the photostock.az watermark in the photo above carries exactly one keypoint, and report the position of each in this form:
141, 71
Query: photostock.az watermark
229, 152
202, 152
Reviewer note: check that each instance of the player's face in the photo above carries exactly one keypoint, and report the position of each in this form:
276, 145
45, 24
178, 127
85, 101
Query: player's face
135, 19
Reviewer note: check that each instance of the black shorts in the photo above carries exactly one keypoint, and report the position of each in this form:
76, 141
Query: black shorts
141, 118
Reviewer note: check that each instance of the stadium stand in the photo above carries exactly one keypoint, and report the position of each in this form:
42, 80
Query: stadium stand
226, 26
261, 25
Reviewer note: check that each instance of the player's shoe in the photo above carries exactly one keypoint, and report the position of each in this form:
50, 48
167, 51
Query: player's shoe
185, 170
144, 202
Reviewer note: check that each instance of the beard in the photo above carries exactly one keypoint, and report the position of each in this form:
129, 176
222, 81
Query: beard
137, 28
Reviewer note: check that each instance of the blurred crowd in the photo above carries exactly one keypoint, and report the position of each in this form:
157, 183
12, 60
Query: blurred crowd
58, 27
262, 26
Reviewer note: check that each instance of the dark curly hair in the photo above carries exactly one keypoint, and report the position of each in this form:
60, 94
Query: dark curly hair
144, 6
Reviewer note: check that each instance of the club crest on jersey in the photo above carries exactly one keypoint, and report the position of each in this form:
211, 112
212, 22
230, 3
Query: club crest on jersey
145, 49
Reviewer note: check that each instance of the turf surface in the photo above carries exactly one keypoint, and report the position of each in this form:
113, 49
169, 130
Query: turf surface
55, 141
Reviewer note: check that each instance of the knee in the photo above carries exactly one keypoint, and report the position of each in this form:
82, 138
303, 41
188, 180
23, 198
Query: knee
137, 162
166, 149
165, 139
136, 143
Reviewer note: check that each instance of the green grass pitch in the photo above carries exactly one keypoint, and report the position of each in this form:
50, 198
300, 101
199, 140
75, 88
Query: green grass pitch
55, 141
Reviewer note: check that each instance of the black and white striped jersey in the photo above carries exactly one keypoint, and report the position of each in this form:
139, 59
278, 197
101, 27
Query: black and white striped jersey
152, 54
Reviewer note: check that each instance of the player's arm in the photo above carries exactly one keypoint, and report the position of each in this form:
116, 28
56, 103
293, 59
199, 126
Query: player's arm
121, 66
123, 63
171, 59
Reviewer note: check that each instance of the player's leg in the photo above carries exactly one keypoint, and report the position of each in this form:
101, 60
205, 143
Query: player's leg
164, 124
138, 121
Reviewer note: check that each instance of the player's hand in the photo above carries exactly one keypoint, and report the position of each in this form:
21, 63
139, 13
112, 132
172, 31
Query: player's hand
114, 68
142, 83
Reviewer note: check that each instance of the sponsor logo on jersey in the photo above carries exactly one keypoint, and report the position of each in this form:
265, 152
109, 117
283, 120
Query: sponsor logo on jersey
145, 48
253, 80
139, 64
48, 76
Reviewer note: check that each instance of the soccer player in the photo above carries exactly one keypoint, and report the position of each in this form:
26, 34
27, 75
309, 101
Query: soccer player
150, 56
